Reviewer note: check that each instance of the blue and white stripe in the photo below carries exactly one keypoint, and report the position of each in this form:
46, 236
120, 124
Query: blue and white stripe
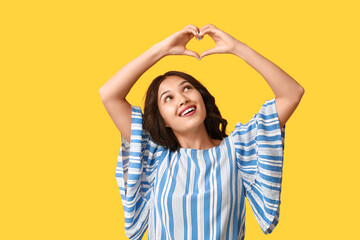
200, 194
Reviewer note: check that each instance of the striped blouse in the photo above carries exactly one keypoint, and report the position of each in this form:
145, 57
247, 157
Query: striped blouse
200, 194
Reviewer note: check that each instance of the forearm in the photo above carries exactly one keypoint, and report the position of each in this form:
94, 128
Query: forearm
120, 84
279, 81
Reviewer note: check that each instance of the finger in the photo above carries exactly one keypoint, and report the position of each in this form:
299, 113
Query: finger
208, 52
207, 26
191, 31
191, 53
209, 31
203, 29
193, 27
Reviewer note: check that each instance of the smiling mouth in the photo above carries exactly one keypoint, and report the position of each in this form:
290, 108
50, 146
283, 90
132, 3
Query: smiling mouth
189, 113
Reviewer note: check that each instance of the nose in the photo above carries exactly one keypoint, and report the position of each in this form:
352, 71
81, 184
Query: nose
183, 100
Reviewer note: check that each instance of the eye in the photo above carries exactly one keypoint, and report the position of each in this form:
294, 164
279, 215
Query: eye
188, 87
167, 98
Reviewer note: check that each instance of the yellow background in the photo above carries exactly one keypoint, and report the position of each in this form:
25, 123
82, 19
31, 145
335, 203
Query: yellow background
59, 147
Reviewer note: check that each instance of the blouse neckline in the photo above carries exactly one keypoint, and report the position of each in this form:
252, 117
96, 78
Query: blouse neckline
204, 150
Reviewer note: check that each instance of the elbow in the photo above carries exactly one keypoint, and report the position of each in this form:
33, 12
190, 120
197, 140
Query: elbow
101, 91
296, 95
106, 96
102, 94
301, 92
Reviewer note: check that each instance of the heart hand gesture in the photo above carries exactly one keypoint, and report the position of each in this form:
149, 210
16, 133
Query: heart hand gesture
224, 43
175, 44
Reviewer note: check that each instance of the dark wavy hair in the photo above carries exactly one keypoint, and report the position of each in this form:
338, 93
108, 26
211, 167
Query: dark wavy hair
155, 125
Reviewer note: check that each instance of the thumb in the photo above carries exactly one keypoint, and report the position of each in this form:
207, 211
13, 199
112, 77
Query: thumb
191, 53
208, 52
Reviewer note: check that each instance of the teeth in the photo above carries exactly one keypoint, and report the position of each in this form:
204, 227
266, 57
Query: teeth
187, 110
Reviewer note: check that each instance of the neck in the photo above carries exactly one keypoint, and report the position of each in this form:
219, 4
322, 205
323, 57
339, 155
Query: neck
196, 139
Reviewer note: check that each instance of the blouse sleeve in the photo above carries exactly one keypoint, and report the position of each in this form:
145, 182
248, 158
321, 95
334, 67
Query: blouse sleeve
136, 164
259, 149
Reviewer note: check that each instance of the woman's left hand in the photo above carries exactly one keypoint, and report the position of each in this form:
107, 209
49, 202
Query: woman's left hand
224, 43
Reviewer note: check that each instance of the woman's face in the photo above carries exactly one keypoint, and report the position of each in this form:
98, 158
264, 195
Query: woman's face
176, 94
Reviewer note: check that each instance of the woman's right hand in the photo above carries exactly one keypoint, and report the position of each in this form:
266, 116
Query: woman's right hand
175, 44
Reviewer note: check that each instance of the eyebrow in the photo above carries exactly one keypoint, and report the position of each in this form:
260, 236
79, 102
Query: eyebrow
169, 90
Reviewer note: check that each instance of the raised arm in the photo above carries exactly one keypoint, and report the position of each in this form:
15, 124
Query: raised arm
288, 92
115, 90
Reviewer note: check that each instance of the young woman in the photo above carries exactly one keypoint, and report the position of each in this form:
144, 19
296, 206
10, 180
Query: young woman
179, 174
